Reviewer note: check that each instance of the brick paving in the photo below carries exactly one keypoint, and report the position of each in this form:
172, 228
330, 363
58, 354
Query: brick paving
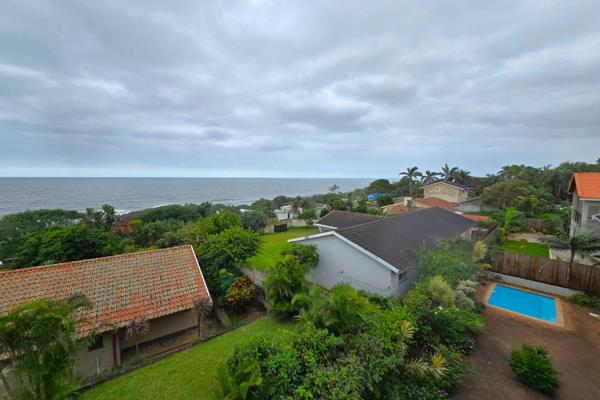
574, 349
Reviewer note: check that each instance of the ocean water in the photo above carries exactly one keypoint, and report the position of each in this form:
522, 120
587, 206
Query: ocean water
131, 194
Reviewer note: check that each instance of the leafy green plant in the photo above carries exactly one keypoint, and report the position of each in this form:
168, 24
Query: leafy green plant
585, 299
237, 384
533, 366
285, 280
39, 338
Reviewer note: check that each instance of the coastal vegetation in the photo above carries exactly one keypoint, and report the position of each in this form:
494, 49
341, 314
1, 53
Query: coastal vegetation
186, 375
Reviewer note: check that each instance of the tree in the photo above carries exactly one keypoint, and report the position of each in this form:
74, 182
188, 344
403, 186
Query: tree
264, 206
429, 177
71, 243
582, 244
136, 329
448, 174
410, 175
109, 216
15, 228
227, 250
153, 232
184, 213
380, 186
509, 220
39, 338
254, 220
203, 307
503, 193
204, 208
462, 176
346, 309
285, 280
334, 188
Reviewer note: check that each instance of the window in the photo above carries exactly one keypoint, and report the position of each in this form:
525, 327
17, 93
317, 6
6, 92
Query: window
98, 343
402, 276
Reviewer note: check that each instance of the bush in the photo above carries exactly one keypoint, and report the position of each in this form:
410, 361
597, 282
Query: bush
241, 292
534, 368
254, 220
305, 254
586, 300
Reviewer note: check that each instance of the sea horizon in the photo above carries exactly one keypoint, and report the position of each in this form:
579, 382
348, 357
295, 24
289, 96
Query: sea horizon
129, 194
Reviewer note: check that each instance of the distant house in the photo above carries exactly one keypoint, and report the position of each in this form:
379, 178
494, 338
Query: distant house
450, 191
380, 255
585, 215
160, 286
287, 212
341, 219
435, 202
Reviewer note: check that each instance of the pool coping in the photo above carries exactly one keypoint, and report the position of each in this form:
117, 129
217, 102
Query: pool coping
560, 319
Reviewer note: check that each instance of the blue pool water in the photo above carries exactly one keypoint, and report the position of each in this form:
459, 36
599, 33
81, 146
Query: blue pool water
522, 302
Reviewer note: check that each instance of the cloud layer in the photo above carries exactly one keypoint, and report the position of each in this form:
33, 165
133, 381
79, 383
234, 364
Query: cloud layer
303, 88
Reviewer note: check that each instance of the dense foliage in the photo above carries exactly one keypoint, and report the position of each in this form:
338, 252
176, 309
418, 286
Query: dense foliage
353, 345
177, 212
533, 366
70, 243
39, 338
15, 228
254, 220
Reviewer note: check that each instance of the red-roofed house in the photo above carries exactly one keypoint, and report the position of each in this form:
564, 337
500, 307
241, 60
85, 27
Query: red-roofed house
435, 202
160, 285
585, 218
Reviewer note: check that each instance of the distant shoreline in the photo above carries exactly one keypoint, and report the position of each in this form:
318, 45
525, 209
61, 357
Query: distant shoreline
133, 194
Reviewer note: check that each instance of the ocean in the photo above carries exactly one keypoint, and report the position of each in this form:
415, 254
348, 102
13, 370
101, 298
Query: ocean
131, 194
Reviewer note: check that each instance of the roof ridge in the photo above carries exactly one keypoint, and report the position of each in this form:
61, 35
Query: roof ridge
384, 219
88, 260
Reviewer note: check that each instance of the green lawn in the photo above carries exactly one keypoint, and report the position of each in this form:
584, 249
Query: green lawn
274, 243
524, 247
185, 375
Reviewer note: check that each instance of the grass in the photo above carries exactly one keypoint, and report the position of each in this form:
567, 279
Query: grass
273, 244
185, 375
524, 247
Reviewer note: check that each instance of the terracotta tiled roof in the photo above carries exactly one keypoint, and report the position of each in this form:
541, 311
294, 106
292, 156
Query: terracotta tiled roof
586, 184
150, 284
395, 209
475, 217
435, 202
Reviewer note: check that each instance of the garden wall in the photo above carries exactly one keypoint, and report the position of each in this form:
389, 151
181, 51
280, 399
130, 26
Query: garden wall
585, 278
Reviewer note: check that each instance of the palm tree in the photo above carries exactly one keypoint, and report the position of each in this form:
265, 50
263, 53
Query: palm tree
137, 328
410, 175
203, 307
462, 176
109, 216
429, 177
582, 244
334, 188
448, 174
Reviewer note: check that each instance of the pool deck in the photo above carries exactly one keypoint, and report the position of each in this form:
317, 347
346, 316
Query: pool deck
560, 318
574, 349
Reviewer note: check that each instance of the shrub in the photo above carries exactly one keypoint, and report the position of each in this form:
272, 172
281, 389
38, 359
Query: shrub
241, 292
534, 368
254, 220
305, 254
587, 300
285, 280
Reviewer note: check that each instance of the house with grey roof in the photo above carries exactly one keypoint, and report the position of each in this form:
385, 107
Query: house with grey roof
380, 255
337, 219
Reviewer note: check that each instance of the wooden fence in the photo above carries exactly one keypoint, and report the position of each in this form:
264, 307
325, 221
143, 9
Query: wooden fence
554, 272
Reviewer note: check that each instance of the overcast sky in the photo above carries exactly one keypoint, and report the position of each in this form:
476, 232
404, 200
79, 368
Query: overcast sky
299, 89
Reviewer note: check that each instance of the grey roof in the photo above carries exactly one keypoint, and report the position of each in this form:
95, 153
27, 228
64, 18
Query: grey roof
455, 184
342, 219
397, 239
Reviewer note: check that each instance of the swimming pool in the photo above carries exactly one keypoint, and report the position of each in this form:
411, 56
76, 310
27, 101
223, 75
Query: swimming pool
522, 302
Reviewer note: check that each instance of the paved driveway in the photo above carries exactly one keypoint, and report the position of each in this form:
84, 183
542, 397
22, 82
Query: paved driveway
575, 351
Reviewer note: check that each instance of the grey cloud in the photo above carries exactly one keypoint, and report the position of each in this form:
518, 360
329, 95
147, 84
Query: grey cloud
296, 88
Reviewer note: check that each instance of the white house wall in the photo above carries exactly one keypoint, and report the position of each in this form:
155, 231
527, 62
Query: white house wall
340, 262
